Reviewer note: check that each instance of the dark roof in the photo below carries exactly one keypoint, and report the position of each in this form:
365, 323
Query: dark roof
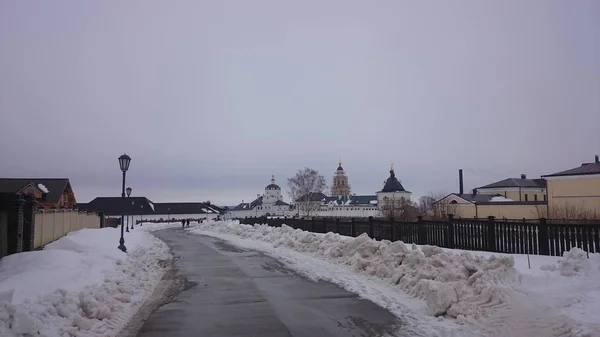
281, 203
313, 197
114, 205
584, 169
55, 186
517, 182
272, 187
183, 208
340, 168
352, 200
392, 184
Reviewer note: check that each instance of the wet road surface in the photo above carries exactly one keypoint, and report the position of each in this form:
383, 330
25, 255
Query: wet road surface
233, 292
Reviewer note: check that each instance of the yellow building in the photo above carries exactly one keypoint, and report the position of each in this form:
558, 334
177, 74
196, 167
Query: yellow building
511, 198
575, 193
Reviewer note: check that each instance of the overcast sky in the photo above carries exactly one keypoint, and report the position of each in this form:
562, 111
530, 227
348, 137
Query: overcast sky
211, 97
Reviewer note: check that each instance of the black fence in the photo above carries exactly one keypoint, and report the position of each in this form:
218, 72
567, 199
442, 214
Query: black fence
513, 237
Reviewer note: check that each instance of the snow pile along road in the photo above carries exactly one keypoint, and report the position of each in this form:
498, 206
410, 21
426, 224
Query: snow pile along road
482, 292
79, 285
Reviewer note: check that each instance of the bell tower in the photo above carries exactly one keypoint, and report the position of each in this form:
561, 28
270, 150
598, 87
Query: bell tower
340, 186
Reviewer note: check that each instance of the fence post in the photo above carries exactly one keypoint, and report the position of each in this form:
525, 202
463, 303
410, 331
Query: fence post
371, 229
491, 234
325, 225
543, 242
450, 232
337, 225
352, 231
101, 215
421, 232
392, 229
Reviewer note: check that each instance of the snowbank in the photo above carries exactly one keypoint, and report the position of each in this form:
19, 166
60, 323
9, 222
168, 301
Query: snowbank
484, 292
79, 285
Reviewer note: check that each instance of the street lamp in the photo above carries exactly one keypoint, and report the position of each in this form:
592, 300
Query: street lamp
124, 161
128, 190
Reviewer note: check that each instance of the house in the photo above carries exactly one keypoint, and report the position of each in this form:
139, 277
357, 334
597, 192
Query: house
269, 204
510, 198
575, 193
517, 189
49, 192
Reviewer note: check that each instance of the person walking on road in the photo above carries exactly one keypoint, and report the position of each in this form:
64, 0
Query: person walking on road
183, 223
188, 223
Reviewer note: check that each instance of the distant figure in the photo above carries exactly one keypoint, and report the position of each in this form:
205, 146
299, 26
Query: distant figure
183, 223
188, 222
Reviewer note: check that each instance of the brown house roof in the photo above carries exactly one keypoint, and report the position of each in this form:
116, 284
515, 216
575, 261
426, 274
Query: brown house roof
55, 186
584, 169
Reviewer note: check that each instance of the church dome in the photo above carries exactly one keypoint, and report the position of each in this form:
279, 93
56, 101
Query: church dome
272, 185
392, 184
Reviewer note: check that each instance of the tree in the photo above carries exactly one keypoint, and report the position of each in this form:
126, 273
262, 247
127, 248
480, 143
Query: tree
305, 186
398, 209
432, 206
566, 211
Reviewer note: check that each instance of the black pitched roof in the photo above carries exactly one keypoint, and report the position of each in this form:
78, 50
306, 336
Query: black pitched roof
183, 208
281, 203
313, 197
116, 205
584, 169
392, 184
353, 200
516, 182
55, 186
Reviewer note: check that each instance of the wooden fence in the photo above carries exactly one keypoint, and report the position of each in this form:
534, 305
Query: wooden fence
51, 225
512, 237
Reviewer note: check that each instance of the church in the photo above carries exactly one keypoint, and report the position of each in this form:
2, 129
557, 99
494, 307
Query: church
269, 204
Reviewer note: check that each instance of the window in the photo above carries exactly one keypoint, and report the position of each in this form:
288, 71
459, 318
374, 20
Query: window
453, 202
544, 197
30, 191
526, 197
535, 197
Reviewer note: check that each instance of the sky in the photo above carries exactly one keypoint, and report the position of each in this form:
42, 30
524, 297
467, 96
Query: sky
209, 98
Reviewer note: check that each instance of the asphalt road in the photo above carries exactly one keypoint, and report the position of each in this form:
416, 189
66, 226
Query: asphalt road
233, 292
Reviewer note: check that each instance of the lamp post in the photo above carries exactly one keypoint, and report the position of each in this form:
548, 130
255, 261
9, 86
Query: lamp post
128, 191
124, 161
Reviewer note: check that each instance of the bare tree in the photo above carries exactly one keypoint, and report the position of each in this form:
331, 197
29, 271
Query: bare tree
566, 211
398, 209
434, 207
305, 186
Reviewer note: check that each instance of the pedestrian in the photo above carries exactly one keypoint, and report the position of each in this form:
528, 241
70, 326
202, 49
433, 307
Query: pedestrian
188, 222
183, 223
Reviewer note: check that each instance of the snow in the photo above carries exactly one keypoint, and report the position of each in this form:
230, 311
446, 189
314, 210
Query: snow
79, 285
477, 293
43, 188
500, 199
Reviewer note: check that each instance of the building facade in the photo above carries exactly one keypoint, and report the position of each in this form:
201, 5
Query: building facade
575, 192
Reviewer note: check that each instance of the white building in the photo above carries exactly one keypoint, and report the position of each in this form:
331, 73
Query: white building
269, 204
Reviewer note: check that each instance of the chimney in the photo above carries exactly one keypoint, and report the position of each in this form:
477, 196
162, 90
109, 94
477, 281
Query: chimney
474, 191
523, 176
460, 181
596, 159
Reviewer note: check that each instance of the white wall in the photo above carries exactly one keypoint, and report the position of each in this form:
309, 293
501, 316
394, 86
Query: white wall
258, 213
348, 212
